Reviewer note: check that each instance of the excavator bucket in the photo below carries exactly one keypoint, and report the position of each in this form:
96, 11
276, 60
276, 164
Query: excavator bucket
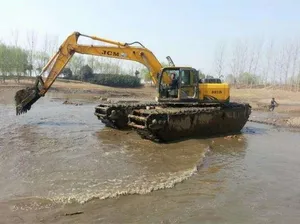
24, 99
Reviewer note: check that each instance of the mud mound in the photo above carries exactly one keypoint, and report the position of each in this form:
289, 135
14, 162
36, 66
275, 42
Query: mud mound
72, 103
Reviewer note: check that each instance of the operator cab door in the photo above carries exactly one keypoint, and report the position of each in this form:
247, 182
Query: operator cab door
187, 85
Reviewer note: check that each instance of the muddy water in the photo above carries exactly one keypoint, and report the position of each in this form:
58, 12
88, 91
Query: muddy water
59, 159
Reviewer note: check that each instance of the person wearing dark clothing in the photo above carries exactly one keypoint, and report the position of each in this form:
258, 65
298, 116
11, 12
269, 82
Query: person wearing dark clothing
174, 83
273, 104
173, 87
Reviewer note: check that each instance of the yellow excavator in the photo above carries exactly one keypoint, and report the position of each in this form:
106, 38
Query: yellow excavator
178, 87
188, 84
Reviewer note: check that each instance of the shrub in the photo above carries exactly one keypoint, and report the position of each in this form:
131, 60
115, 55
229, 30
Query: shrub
115, 80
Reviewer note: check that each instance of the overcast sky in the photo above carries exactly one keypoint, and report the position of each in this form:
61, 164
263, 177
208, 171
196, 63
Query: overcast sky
189, 31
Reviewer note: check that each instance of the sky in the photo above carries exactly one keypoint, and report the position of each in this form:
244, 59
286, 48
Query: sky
189, 31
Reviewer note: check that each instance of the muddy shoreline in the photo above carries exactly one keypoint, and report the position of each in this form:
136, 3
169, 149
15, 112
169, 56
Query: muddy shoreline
287, 114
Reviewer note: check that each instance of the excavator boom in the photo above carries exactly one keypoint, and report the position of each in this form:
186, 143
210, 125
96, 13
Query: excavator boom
25, 98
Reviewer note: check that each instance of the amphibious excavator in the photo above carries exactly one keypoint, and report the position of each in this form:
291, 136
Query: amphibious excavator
184, 106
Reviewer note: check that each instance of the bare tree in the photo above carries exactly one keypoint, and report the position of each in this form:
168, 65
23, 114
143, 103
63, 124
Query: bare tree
53, 45
254, 56
276, 64
296, 67
288, 55
45, 48
31, 41
234, 65
41, 57
243, 53
269, 61
15, 38
280, 66
297, 81
17, 62
76, 62
239, 59
294, 64
91, 59
219, 62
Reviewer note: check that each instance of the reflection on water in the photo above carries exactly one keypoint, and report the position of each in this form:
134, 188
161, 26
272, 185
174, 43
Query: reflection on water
59, 159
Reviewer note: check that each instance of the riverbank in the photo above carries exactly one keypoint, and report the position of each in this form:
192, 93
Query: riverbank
287, 114
78, 90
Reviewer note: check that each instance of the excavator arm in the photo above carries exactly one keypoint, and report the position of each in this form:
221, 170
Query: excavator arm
26, 97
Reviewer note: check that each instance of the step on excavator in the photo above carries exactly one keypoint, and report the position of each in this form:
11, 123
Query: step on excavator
185, 105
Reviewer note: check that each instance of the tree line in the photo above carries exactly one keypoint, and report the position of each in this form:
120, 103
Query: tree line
255, 62
17, 63
113, 79
259, 63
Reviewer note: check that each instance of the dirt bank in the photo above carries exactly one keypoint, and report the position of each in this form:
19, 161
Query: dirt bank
78, 90
286, 114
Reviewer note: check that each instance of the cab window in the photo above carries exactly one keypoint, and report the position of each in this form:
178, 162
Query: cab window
185, 77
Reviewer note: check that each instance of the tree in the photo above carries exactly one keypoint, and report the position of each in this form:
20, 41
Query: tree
294, 65
201, 74
230, 79
248, 79
288, 54
16, 58
76, 63
254, 57
13, 60
67, 73
239, 59
53, 45
146, 73
41, 59
91, 61
28, 67
86, 73
219, 60
20, 62
4, 60
31, 41
269, 58
209, 77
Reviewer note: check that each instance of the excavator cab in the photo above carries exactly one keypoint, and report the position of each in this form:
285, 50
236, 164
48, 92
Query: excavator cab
184, 84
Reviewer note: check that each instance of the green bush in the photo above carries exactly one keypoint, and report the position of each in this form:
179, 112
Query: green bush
115, 80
